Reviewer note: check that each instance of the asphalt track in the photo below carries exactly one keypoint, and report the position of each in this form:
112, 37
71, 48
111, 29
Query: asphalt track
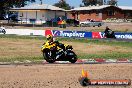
79, 61
127, 40
60, 75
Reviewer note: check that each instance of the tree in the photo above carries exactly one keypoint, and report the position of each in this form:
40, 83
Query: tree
41, 2
99, 2
63, 4
5, 5
88, 2
92, 2
14, 3
112, 2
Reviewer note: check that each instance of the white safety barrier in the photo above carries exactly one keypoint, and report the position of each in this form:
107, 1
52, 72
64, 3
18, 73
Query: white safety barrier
25, 32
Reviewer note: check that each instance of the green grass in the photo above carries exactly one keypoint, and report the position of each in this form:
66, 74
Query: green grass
12, 36
99, 41
82, 40
114, 55
21, 59
81, 55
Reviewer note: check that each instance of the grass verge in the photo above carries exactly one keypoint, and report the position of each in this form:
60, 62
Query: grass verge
21, 59
114, 55
29, 48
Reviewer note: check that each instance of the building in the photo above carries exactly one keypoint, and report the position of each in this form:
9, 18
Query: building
127, 11
38, 13
101, 12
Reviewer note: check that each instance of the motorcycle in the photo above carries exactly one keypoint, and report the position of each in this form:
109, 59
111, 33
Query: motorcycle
2, 30
58, 52
109, 34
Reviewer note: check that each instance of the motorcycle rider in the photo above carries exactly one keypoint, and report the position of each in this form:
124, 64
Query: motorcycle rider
107, 30
51, 41
108, 33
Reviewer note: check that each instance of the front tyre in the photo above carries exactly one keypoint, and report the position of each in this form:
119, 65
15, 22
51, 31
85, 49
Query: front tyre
73, 60
48, 57
99, 25
3, 31
71, 56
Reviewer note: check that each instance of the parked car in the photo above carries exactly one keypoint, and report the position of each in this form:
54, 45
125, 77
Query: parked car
91, 23
11, 17
2, 30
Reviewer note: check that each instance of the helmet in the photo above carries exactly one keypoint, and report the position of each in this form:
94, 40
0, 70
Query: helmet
48, 37
107, 27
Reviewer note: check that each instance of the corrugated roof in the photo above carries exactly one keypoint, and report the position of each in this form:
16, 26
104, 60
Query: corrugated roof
125, 7
39, 7
50, 7
90, 7
100, 7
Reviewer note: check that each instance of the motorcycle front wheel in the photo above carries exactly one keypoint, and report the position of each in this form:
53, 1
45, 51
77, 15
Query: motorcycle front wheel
48, 57
73, 60
71, 56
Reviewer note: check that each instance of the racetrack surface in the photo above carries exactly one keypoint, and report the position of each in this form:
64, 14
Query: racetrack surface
60, 75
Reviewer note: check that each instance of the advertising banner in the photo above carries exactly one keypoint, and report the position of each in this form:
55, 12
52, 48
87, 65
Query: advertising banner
123, 35
73, 34
83, 34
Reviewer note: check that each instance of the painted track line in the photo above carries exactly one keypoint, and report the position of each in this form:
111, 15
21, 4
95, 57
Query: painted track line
79, 61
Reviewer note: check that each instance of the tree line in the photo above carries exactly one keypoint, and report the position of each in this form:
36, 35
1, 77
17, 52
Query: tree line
6, 4
64, 5
99, 2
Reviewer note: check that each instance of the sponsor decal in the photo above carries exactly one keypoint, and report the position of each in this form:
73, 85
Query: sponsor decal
56, 33
123, 35
72, 34
48, 32
97, 35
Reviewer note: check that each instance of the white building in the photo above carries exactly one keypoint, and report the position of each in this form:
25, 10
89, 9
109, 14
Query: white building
38, 13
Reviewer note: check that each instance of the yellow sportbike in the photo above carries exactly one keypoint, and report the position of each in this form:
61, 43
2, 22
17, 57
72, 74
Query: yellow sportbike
58, 52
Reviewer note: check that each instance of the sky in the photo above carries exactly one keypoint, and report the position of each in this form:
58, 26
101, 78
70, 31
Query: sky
76, 3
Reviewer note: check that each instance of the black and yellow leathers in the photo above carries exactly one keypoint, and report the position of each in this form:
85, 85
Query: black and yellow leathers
49, 45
